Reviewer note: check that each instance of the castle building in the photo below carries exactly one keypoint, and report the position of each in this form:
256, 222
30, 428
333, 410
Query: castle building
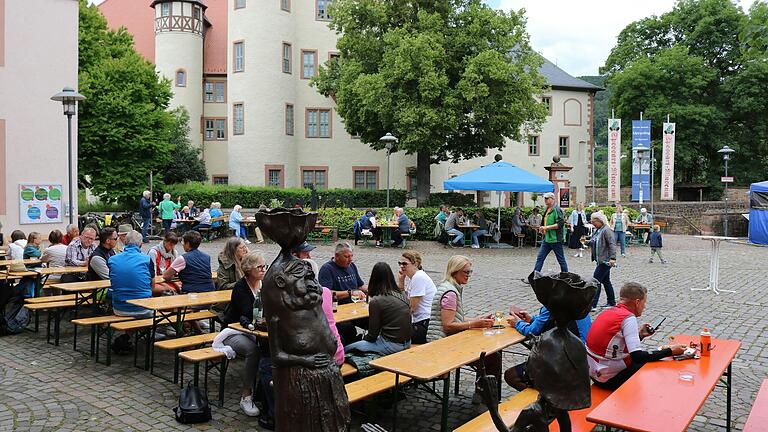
242, 68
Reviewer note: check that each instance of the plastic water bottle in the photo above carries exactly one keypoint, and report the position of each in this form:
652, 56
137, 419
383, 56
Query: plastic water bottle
706, 342
258, 311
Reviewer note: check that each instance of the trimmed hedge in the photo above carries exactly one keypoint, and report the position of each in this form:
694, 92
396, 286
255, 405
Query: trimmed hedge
451, 199
424, 217
253, 197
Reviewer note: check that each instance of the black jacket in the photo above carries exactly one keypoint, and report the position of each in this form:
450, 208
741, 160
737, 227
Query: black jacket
240, 304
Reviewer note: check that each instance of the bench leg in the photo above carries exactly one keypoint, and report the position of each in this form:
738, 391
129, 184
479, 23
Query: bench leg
48, 327
57, 328
175, 366
394, 405
97, 343
728, 400
446, 396
197, 373
181, 373
37, 321
94, 330
222, 378
110, 333
456, 384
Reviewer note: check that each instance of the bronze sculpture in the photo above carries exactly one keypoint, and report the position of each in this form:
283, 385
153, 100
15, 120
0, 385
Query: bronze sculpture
557, 364
309, 390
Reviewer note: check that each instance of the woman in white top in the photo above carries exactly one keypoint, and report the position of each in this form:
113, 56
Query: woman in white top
55, 254
18, 243
420, 290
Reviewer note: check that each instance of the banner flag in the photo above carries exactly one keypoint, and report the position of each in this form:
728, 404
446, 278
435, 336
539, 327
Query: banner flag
614, 160
668, 163
641, 161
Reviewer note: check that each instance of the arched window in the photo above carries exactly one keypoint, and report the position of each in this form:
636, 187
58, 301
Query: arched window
181, 78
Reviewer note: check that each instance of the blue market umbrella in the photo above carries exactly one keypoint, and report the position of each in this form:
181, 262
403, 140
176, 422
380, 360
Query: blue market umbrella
501, 177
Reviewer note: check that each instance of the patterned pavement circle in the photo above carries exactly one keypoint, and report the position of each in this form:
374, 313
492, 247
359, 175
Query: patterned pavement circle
47, 388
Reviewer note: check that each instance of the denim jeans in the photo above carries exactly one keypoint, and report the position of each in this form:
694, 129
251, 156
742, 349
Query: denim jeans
620, 237
476, 236
241, 232
544, 250
603, 275
381, 346
145, 228
459, 235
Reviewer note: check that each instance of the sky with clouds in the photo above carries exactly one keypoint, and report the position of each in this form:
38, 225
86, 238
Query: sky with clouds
578, 35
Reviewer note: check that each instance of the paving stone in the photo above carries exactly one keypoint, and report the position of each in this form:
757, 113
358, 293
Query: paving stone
66, 390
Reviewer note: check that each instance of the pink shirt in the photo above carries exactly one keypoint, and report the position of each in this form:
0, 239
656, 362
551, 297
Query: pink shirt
328, 310
179, 264
449, 301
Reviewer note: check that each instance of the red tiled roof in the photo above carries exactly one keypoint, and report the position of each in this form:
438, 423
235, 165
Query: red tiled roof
138, 18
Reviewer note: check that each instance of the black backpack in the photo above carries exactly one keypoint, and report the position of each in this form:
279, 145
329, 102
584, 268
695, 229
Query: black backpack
193, 405
15, 317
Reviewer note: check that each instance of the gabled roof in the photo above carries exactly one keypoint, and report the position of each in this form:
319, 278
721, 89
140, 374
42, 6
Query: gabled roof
560, 79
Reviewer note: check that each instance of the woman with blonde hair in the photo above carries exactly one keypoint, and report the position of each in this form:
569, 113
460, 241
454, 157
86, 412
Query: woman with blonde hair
448, 317
230, 268
619, 224
420, 290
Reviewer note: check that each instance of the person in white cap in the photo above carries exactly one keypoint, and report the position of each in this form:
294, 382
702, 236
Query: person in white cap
645, 218
553, 229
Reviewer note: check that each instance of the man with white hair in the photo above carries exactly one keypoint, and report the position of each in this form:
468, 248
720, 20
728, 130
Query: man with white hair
552, 227
603, 245
404, 226
73, 232
645, 218
132, 276
145, 211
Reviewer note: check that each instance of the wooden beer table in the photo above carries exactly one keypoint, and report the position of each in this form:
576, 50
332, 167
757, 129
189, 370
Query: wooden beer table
165, 308
437, 359
29, 261
655, 398
346, 312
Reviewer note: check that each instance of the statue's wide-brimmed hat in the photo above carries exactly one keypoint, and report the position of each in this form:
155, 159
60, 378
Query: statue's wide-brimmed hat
568, 296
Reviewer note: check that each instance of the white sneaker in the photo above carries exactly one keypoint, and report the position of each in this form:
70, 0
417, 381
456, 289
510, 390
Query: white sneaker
204, 325
247, 241
246, 404
475, 246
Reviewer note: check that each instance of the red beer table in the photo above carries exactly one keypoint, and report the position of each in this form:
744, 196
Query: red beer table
656, 399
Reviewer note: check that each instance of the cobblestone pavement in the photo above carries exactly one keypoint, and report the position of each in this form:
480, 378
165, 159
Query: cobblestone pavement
47, 388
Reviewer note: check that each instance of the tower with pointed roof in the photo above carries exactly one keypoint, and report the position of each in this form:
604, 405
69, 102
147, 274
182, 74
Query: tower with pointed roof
179, 31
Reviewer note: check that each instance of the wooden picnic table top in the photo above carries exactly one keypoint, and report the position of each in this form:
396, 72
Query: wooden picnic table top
8, 263
21, 274
98, 284
655, 398
60, 270
183, 300
345, 312
435, 359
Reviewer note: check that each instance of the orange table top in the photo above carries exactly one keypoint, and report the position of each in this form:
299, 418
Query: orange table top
655, 398
431, 360
758, 417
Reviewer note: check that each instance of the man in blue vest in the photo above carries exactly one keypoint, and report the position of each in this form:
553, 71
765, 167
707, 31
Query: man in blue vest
194, 270
133, 277
193, 266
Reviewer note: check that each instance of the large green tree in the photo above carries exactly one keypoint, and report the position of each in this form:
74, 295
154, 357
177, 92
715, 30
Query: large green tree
703, 64
450, 78
185, 165
124, 127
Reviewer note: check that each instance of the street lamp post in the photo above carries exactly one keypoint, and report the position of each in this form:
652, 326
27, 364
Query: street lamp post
726, 152
640, 151
389, 141
69, 98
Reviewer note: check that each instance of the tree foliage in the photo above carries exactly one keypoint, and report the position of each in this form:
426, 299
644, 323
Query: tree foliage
703, 64
185, 165
450, 78
124, 127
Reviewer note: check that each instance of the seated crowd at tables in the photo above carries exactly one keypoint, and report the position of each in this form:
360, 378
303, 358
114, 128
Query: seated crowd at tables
405, 307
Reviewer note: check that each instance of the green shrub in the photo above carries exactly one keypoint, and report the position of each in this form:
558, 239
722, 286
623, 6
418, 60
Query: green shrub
253, 197
451, 199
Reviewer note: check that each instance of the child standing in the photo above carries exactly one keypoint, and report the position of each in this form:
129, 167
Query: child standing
655, 241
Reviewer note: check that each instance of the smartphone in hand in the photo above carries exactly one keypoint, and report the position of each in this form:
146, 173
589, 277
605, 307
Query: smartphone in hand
656, 324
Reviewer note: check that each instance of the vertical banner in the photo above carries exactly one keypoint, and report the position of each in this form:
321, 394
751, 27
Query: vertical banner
614, 160
641, 161
668, 162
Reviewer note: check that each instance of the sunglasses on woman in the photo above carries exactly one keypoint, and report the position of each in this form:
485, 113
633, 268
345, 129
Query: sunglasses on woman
403, 263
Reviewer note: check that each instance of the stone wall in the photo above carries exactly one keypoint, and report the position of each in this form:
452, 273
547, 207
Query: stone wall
736, 195
696, 218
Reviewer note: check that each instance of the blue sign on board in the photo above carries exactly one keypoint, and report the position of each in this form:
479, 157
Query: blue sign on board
641, 134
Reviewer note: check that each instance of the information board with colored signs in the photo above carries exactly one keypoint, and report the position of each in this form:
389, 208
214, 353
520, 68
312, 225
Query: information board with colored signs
40, 203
